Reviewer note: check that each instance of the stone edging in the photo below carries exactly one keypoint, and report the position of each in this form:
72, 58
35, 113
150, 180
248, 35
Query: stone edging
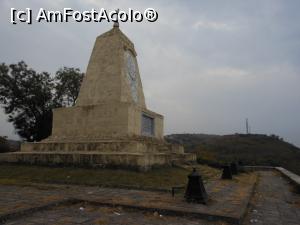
294, 178
169, 211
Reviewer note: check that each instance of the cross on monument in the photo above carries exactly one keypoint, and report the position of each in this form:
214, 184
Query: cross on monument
116, 23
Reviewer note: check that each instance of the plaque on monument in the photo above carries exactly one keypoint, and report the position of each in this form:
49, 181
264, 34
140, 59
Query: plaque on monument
147, 125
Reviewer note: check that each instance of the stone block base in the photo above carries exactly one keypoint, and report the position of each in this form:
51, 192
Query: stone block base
103, 146
137, 161
142, 154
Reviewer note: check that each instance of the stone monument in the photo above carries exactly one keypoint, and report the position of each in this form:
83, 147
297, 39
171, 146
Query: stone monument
110, 125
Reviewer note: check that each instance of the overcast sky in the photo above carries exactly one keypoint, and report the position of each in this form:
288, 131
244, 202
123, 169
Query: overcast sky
205, 65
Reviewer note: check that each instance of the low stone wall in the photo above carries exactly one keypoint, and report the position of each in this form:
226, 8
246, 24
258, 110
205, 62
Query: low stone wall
258, 168
294, 178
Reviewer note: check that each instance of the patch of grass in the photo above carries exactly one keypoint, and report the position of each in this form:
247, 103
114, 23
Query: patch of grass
162, 178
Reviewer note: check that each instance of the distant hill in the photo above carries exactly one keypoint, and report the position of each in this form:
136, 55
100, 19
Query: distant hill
251, 149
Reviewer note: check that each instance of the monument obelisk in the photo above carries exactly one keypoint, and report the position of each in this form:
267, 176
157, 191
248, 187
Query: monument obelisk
110, 124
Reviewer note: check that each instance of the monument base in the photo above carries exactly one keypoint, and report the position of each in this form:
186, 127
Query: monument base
133, 154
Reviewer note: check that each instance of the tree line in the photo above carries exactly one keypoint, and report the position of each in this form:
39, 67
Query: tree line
28, 97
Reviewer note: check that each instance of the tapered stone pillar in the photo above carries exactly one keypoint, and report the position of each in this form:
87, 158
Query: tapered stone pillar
110, 124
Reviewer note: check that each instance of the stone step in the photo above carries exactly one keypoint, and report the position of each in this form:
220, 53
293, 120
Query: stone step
104, 146
128, 160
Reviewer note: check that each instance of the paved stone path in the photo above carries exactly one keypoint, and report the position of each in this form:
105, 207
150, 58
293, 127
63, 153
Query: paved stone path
274, 202
16, 198
228, 198
85, 214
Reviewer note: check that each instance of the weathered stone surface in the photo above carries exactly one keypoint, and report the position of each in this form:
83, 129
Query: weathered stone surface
102, 121
106, 80
87, 214
228, 199
106, 107
274, 202
138, 161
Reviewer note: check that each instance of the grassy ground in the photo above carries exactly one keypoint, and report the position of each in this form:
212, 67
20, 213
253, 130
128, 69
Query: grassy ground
163, 178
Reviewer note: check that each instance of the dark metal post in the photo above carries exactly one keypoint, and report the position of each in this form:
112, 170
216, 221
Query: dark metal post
241, 167
195, 191
226, 172
234, 169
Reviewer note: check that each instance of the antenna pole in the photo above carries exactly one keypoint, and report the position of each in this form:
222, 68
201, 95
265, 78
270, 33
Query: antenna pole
247, 126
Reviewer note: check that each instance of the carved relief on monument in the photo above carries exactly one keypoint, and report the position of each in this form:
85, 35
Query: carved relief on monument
131, 72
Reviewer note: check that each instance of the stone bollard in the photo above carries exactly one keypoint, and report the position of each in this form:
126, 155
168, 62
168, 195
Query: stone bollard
226, 172
195, 191
234, 169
